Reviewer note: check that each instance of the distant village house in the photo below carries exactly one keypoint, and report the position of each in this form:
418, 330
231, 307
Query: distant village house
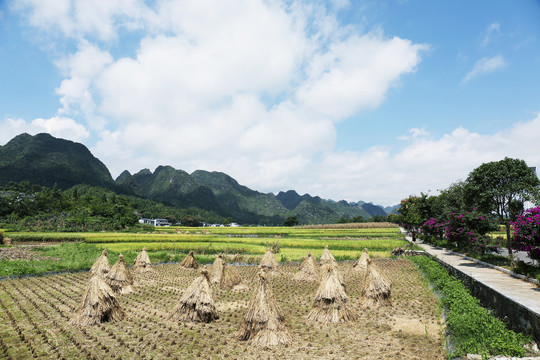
155, 222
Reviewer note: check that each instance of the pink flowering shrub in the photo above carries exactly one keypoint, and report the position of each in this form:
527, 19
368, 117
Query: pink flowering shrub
434, 228
527, 233
468, 231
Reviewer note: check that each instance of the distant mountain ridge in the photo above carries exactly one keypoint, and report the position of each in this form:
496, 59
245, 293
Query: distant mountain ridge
221, 193
45, 160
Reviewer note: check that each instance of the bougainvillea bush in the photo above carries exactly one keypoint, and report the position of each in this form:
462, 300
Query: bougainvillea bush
468, 231
527, 233
434, 228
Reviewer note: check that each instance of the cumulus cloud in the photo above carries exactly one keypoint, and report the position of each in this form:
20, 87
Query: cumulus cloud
253, 88
76, 91
80, 18
425, 163
485, 66
62, 127
244, 81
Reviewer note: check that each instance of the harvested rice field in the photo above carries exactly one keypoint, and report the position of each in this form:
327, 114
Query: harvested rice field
35, 314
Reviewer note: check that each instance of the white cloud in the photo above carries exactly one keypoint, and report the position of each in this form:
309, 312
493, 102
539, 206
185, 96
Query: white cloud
380, 175
253, 89
355, 74
485, 66
247, 82
76, 91
81, 18
414, 133
62, 127
491, 32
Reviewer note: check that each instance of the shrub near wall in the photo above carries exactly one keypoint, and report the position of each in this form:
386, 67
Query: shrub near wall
473, 329
469, 230
527, 233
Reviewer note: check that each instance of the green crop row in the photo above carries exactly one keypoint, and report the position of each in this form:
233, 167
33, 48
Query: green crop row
292, 254
283, 231
472, 328
378, 244
301, 235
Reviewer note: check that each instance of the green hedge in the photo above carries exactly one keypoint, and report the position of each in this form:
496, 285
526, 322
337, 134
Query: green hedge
472, 328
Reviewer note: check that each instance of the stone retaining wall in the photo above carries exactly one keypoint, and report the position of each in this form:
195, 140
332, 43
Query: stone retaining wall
516, 316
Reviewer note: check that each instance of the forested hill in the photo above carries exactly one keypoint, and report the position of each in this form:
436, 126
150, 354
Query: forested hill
48, 161
218, 192
45, 160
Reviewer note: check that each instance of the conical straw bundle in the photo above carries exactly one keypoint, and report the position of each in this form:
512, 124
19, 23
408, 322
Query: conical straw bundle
377, 288
309, 271
101, 267
217, 270
361, 263
331, 303
196, 304
119, 278
99, 304
264, 321
230, 279
269, 263
327, 257
189, 262
142, 262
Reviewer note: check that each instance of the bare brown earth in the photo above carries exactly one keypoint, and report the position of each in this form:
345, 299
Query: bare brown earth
35, 311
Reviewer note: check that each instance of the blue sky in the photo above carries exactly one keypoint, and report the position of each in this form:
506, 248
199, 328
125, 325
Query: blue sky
355, 100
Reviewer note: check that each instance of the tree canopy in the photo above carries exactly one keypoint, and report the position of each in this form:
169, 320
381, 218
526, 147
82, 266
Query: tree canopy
501, 188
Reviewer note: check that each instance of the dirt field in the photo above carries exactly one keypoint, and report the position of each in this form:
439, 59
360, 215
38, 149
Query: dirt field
35, 311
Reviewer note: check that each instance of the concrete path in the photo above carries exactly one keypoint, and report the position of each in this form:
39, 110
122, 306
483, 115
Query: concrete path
520, 291
523, 293
520, 255
518, 298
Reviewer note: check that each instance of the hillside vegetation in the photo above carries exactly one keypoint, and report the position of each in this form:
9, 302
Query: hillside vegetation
47, 161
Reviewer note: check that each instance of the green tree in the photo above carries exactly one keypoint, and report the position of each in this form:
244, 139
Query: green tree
379, 218
501, 188
191, 221
342, 220
291, 221
450, 200
415, 211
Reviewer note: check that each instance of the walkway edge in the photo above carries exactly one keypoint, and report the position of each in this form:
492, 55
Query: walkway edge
513, 300
506, 271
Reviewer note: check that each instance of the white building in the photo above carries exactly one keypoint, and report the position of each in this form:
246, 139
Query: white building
155, 222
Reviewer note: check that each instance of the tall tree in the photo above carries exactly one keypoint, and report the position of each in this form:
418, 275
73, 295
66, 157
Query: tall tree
501, 188
415, 211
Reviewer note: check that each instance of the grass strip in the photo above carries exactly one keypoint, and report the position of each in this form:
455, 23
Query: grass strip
473, 329
81, 256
